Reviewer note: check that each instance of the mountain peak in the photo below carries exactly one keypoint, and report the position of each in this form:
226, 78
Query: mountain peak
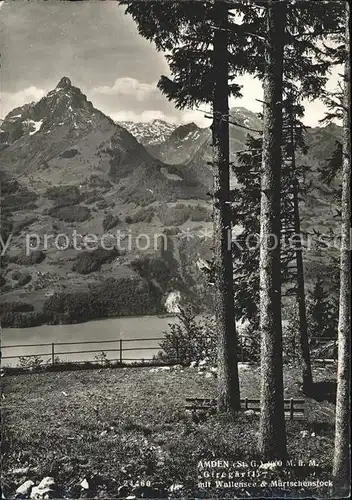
184, 130
246, 117
64, 83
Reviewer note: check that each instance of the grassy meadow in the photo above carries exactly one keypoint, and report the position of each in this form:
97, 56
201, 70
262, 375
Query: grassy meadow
126, 432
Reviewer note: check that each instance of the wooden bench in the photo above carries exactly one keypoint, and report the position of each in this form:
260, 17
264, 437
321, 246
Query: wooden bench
294, 408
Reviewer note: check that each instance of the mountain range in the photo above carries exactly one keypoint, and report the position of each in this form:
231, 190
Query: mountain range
40, 140
150, 133
66, 166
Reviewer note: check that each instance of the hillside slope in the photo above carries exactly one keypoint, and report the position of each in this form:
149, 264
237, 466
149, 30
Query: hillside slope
67, 167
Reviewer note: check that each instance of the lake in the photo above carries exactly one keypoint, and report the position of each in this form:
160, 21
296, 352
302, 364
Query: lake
93, 334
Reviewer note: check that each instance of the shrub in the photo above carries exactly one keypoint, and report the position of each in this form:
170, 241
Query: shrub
2, 281
9, 186
102, 359
74, 213
110, 221
45, 165
322, 321
35, 257
30, 362
13, 319
142, 199
144, 215
24, 320
189, 340
90, 261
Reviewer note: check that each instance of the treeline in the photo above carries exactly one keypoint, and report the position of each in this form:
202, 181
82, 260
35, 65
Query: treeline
89, 261
19, 315
125, 297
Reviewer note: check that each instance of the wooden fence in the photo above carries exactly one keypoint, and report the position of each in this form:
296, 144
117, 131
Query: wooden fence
292, 407
54, 350
119, 347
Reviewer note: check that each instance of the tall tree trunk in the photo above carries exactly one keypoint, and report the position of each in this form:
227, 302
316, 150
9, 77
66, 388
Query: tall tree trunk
301, 298
228, 389
341, 468
272, 438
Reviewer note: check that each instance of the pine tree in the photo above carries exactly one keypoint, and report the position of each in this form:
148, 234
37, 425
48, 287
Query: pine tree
292, 58
246, 198
246, 213
339, 104
228, 389
205, 52
341, 468
294, 132
307, 26
287, 47
272, 440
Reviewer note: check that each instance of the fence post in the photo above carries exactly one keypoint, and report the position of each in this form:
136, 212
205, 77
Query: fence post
246, 404
121, 351
53, 353
291, 409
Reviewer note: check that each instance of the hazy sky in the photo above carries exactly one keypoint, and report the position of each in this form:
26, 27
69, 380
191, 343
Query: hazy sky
98, 47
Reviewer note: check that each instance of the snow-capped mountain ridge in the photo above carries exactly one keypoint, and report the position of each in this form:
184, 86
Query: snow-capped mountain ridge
149, 133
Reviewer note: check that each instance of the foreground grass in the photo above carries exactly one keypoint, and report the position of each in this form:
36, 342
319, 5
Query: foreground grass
114, 427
